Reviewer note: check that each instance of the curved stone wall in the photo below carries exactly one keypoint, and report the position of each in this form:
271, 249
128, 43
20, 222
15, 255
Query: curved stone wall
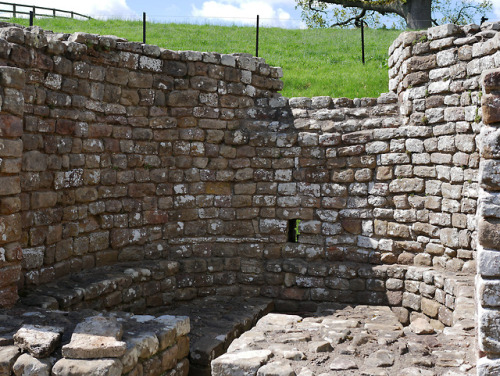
185, 174
128, 153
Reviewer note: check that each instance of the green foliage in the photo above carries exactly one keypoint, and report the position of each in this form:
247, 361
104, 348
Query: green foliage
318, 14
314, 61
296, 231
460, 12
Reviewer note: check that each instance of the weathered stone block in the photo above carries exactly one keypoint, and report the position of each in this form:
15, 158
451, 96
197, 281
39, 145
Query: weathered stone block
39, 341
96, 337
246, 362
491, 80
488, 367
490, 105
10, 126
489, 174
443, 31
489, 233
488, 321
8, 356
28, 365
81, 367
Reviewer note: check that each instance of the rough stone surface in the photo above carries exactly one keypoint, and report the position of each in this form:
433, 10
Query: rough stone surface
39, 341
26, 365
96, 337
364, 341
80, 367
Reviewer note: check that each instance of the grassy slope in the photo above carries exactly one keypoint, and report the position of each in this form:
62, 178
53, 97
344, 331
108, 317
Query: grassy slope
315, 62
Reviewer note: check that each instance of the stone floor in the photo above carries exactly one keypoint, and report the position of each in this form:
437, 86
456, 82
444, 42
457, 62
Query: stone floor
346, 340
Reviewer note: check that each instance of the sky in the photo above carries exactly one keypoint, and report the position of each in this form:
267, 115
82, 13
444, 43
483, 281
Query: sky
281, 13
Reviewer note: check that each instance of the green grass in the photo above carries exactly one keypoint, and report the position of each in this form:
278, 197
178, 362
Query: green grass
315, 61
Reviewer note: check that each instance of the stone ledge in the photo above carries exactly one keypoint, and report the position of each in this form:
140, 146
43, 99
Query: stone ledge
91, 342
104, 288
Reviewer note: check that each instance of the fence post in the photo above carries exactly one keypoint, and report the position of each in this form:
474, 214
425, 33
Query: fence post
14, 10
144, 27
363, 41
257, 39
32, 16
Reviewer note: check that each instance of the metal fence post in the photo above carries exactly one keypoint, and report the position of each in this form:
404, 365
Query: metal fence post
14, 10
32, 16
144, 27
257, 38
363, 41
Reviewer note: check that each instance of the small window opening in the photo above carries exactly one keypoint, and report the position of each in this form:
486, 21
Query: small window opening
293, 230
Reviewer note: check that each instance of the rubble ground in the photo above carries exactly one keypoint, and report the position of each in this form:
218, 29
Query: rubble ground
350, 340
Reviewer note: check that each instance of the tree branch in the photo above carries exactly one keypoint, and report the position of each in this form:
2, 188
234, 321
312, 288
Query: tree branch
395, 6
354, 20
459, 15
315, 9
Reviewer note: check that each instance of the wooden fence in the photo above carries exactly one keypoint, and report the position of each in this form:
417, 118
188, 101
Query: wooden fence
19, 10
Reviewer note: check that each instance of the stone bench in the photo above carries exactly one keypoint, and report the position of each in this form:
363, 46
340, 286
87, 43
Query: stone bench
87, 342
124, 287
444, 297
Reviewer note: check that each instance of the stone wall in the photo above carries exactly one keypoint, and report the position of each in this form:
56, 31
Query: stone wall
487, 281
131, 153
11, 152
176, 175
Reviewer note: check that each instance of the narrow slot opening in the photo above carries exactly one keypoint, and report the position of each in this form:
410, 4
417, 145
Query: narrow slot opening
293, 230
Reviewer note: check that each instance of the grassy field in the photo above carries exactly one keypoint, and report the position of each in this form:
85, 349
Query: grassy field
314, 61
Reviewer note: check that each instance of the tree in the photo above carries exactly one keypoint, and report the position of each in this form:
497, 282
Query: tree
417, 14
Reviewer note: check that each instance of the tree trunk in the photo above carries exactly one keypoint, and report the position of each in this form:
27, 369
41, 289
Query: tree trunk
418, 14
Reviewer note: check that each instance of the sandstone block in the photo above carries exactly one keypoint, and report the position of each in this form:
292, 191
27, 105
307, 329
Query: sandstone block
489, 233
180, 323
406, 185
430, 307
443, 31
488, 263
276, 369
489, 174
46, 199
8, 356
10, 126
488, 335
412, 301
490, 105
11, 148
421, 63
10, 227
26, 365
488, 293
245, 362
487, 367
80, 367
39, 341
9, 185
96, 337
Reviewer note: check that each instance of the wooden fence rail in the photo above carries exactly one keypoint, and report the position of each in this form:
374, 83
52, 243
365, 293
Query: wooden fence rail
22, 9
